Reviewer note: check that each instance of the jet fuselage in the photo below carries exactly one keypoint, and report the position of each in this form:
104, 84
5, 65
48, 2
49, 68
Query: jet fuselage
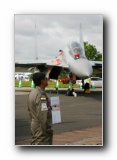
76, 60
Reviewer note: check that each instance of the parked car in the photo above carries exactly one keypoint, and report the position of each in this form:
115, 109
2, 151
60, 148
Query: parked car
79, 82
96, 81
93, 81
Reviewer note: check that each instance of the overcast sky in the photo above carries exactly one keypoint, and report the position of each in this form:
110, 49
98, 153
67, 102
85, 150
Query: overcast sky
53, 32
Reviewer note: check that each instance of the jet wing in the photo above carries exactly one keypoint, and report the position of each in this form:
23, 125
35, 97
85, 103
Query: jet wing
50, 67
28, 63
58, 62
32, 63
96, 63
97, 66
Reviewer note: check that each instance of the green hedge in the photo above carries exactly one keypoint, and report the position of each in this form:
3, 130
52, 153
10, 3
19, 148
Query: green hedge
50, 84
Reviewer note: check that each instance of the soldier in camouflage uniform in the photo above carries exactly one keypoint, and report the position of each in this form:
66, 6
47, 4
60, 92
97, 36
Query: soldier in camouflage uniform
40, 112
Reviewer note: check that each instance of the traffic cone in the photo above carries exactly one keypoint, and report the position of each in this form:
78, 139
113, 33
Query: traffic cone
69, 86
57, 84
93, 86
81, 85
20, 84
32, 84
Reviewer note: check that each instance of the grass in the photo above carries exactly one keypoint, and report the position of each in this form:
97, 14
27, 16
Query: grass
50, 84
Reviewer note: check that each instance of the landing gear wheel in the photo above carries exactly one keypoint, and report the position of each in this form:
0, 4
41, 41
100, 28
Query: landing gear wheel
70, 92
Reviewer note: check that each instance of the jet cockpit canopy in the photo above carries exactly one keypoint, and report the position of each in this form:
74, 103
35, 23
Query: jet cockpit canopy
75, 50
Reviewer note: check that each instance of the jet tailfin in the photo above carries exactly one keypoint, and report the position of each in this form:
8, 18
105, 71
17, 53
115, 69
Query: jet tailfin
81, 39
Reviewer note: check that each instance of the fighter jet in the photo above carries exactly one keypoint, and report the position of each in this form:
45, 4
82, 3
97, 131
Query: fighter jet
72, 59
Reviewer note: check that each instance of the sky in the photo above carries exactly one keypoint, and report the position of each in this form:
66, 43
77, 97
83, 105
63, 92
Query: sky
43, 35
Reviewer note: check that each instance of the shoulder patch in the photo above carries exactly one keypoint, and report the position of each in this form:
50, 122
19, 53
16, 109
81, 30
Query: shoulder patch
44, 107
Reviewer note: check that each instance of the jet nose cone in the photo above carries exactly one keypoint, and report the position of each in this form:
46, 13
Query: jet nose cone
86, 69
82, 68
86, 73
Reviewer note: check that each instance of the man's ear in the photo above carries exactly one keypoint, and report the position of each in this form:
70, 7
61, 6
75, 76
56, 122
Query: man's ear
42, 81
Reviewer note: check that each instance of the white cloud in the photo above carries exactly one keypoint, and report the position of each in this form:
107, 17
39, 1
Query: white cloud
53, 33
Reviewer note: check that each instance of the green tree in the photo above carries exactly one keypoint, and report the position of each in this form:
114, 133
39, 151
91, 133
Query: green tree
92, 53
63, 74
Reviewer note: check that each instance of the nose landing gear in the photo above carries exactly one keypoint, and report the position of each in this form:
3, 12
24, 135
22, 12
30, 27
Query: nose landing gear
70, 91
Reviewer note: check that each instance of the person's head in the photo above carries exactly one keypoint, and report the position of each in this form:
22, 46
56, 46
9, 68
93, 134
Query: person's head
40, 79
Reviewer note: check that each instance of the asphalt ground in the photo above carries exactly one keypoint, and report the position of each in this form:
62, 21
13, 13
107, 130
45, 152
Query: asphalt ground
80, 115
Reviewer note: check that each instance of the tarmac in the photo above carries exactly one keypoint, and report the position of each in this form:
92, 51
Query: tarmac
92, 136
85, 137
